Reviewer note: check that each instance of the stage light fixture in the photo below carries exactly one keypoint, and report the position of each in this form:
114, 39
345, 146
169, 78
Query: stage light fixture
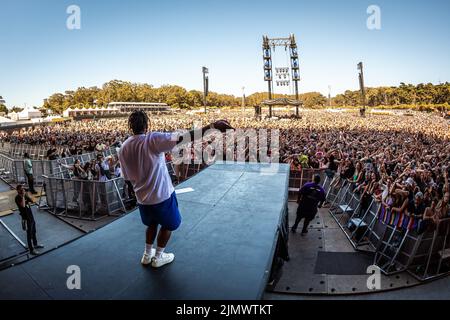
294, 52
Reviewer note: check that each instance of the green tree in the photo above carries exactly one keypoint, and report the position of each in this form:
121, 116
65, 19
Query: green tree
313, 99
16, 109
3, 108
405, 95
195, 98
57, 102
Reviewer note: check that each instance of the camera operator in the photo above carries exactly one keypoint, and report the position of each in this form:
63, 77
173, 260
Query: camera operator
23, 202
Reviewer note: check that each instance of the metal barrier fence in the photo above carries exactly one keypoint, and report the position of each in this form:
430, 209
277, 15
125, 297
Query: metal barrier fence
12, 170
16, 151
181, 172
84, 199
93, 200
5, 147
80, 198
7, 168
399, 242
36, 152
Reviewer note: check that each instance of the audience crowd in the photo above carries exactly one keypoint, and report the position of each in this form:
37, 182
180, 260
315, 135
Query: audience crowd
401, 161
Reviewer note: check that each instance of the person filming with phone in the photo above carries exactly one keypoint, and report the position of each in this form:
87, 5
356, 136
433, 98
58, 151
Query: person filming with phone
24, 202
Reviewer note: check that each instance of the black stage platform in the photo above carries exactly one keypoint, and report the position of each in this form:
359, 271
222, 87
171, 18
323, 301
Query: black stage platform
51, 233
223, 250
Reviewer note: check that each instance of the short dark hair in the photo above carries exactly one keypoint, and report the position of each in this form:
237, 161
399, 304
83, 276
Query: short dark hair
26, 155
316, 179
138, 122
19, 187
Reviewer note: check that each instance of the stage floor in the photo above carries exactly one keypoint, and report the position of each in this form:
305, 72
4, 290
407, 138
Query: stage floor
223, 250
325, 263
51, 233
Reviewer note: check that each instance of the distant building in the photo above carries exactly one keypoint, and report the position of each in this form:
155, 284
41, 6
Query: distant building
116, 108
2, 101
126, 107
81, 112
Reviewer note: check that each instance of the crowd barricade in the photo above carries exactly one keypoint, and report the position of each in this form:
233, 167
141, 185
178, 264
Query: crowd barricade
92, 200
12, 170
16, 151
399, 242
368, 230
427, 264
36, 152
192, 169
181, 172
5, 147
84, 199
7, 169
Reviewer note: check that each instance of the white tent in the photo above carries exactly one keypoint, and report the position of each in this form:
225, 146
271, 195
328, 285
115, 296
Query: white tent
29, 113
13, 116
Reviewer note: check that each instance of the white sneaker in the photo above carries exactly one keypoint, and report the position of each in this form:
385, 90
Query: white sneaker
147, 258
163, 260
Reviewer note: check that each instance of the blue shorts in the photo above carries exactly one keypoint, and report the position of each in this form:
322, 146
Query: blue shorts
165, 214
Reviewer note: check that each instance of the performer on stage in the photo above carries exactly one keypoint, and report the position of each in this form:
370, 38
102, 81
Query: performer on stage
311, 197
143, 164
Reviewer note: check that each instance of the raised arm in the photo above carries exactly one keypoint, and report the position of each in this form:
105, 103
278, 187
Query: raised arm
190, 136
66, 166
402, 208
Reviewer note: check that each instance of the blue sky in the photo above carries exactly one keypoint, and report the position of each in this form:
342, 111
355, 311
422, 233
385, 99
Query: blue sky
167, 42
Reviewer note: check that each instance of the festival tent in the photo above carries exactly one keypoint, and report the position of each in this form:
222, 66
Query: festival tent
29, 113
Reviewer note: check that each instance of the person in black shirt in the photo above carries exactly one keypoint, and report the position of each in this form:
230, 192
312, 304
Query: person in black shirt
73, 150
311, 197
332, 166
52, 153
23, 202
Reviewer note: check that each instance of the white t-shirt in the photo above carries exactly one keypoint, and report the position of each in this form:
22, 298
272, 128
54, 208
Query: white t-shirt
143, 164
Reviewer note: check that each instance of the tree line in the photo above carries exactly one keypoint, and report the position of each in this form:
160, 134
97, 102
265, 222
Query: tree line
116, 90
425, 96
411, 96
174, 96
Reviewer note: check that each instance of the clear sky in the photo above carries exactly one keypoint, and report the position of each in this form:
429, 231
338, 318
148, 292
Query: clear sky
167, 42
